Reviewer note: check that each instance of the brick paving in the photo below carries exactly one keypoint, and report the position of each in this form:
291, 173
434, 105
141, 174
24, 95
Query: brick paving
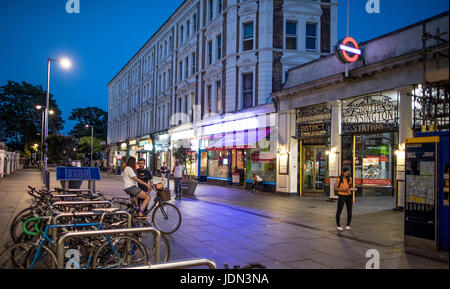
237, 227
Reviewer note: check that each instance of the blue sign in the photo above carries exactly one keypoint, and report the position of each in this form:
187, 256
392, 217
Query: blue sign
77, 174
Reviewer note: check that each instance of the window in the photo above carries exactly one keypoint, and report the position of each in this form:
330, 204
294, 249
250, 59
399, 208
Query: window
186, 68
195, 22
219, 97
180, 71
248, 36
291, 35
181, 34
165, 48
210, 10
170, 44
311, 36
208, 98
210, 52
185, 107
219, 6
164, 85
188, 28
247, 90
219, 47
193, 63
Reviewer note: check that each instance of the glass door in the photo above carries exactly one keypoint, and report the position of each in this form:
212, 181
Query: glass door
203, 166
314, 169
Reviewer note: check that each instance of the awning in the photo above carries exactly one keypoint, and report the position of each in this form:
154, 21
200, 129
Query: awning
240, 140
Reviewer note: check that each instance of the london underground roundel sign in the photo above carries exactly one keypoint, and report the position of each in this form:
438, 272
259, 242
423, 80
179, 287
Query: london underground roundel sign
349, 50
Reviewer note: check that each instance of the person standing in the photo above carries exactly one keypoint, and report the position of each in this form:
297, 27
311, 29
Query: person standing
163, 171
342, 186
130, 181
178, 174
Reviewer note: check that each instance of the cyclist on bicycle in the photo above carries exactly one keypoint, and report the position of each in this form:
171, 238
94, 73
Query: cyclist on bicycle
130, 185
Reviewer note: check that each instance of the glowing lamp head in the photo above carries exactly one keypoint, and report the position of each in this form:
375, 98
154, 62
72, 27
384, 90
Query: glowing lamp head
65, 63
51, 112
38, 107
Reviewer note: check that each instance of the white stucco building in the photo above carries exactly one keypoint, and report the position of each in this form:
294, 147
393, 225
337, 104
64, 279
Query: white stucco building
203, 78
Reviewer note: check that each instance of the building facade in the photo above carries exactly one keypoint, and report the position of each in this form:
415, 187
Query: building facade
204, 81
399, 85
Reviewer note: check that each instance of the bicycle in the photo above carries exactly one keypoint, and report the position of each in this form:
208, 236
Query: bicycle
166, 217
115, 252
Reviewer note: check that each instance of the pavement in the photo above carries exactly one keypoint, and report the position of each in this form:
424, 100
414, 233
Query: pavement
237, 227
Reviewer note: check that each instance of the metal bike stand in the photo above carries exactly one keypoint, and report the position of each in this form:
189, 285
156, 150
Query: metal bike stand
54, 232
179, 264
60, 244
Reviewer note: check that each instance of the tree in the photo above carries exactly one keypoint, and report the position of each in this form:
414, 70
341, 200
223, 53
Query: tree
84, 146
61, 148
92, 116
186, 158
22, 121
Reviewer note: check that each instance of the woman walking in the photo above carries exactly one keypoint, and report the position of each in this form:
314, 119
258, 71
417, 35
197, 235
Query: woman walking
343, 187
130, 185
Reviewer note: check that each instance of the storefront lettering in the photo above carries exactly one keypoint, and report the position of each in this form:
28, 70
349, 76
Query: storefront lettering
368, 114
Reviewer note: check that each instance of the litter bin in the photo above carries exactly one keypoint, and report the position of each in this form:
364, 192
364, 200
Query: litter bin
188, 188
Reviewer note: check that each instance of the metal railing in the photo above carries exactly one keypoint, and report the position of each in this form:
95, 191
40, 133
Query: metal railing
54, 231
179, 264
60, 244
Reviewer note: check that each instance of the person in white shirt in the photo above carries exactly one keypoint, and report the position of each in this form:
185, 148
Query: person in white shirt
130, 185
178, 175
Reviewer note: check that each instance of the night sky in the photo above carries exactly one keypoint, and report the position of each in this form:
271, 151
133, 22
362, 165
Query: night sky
107, 33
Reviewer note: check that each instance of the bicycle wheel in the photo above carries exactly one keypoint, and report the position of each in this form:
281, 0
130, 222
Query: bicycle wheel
119, 252
45, 259
14, 231
148, 239
15, 256
166, 218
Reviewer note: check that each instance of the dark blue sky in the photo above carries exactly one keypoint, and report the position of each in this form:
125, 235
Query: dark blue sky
107, 33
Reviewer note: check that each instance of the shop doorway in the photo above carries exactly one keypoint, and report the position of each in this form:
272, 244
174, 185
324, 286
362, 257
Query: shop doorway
238, 166
314, 169
203, 170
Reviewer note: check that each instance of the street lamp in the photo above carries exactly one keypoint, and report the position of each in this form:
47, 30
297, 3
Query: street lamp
65, 63
92, 141
39, 107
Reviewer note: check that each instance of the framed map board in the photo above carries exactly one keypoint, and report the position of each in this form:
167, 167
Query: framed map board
420, 191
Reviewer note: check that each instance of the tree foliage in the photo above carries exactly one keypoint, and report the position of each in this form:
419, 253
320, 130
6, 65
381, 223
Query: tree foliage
84, 146
61, 148
92, 116
22, 121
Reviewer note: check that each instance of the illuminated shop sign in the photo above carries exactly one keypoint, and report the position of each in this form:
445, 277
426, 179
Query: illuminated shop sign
370, 114
314, 122
348, 50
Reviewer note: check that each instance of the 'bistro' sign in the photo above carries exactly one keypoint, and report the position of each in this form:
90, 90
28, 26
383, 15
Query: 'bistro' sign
370, 114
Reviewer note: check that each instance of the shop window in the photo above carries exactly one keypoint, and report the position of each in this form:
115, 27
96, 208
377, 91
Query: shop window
373, 159
218, 164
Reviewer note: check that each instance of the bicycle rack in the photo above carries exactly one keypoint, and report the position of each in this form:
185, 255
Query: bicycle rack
54, 232
179, 264
60, 244
81, 203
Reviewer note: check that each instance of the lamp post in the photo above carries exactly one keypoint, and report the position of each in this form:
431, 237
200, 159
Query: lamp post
65, 63
39, 107
92, 141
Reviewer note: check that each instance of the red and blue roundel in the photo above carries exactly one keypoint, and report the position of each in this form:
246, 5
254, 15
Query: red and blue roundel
348, 50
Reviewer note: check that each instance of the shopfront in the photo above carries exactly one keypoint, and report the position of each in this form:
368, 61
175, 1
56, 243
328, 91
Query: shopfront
370, 127
133, 149
239, 148
313, 133
145, 151
184, 146
161, 143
